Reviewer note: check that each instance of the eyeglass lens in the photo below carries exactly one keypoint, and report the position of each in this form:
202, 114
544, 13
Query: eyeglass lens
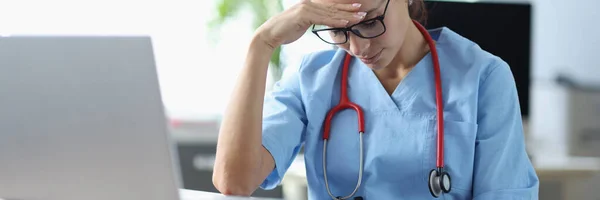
366, 29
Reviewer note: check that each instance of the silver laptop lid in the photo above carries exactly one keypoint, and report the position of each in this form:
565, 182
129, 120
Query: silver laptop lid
82, 118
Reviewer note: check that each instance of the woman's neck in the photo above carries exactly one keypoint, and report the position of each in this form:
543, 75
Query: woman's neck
413, 49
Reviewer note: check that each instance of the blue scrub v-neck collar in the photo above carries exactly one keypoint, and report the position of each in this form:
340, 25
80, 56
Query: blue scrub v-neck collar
403, 95
414, 85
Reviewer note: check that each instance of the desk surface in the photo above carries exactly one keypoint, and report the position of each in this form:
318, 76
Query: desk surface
197, 195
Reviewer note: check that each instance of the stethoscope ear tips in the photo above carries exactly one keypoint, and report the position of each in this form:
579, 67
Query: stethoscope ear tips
439, 181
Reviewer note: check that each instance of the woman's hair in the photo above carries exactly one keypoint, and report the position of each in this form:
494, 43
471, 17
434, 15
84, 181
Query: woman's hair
418, 11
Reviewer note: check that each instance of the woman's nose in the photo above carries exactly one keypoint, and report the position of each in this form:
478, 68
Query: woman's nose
359, 46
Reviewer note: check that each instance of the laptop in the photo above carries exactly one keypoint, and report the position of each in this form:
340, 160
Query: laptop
81, 117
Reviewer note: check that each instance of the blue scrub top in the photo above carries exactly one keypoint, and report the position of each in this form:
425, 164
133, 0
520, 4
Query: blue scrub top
484, 142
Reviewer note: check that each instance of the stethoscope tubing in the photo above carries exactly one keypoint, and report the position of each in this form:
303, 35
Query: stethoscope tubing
345, 103
438, 96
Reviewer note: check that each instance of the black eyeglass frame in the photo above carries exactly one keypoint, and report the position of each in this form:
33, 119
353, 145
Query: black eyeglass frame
349, 28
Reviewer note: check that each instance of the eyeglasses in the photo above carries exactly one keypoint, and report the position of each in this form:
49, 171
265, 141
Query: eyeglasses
367, 29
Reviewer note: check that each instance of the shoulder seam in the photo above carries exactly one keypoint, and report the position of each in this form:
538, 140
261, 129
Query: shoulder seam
496, 66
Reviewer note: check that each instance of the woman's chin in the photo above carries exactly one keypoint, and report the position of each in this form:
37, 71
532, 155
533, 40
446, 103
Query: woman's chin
375, 65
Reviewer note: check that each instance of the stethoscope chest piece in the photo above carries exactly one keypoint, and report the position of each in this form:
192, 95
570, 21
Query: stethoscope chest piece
439, 181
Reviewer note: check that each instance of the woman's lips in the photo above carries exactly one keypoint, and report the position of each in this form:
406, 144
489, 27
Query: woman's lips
373, 59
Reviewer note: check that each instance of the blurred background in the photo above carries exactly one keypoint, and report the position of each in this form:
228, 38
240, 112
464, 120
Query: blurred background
551, 46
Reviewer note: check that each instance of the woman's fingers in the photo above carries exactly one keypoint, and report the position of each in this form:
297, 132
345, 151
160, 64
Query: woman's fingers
291, 24
331, 14
333, 22
352, 7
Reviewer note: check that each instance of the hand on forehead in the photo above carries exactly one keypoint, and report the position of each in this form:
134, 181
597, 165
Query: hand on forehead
366, 5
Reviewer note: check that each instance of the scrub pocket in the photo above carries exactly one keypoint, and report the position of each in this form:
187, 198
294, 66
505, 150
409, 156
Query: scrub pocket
459, 154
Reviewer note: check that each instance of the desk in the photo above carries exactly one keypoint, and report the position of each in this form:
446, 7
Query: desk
565, 178
568, 177
201, 195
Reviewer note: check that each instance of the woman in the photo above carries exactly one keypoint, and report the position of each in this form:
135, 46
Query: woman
392, 78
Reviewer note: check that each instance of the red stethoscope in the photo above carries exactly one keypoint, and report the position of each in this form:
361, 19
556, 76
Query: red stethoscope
439, 179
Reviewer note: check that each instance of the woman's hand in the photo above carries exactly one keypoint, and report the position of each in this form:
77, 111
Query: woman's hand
291, 24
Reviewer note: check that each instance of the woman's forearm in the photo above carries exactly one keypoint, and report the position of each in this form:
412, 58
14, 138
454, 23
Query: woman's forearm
239, 157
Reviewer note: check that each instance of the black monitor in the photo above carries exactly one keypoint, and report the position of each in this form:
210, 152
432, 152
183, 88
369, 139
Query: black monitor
503, 29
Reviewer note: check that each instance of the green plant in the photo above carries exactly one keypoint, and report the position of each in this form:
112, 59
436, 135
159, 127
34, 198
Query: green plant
262, 11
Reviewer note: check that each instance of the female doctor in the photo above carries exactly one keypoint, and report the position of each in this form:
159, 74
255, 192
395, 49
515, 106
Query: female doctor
397, 112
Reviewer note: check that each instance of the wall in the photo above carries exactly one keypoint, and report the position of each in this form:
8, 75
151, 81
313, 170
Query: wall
566, 39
